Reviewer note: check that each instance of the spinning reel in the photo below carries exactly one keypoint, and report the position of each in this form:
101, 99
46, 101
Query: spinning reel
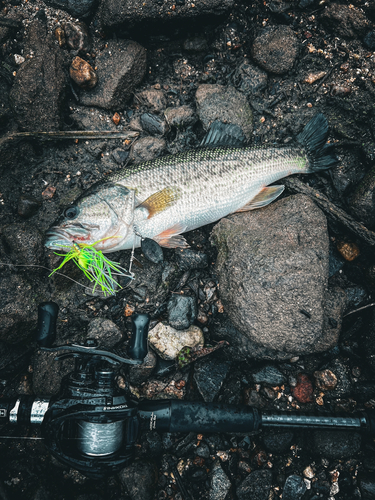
92, 425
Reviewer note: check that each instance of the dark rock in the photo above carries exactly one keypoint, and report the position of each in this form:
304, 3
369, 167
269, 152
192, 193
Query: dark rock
104, 331
182, 311
362, 203
344, 385
217, 102
255, 267
120, 155
146, 149
82, 73
336, 444
38, 92
28, 206
132, 13
151, 444
277, 441
269, 375
196, 44
83, 8
356, 295
209, 375
140, 480
48, 373
180, 117
219, 483
276, 49
250, 79
5, 109
23, 243
345, 21
364, 391
231, 393
77, 37
366, 484
152, 98
121, 67
190, 259
294, 488
153, 124
140, 373
369, 40
256, 486
203, 451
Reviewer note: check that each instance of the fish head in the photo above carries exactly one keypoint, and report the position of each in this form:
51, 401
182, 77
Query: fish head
102, 217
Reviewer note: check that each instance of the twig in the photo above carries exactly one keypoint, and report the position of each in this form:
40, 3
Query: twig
74, 134
359, 309
333, 212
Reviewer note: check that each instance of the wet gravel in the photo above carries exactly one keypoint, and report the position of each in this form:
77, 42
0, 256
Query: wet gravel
165, 72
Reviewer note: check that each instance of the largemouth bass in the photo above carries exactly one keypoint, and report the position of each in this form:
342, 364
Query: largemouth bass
163, 198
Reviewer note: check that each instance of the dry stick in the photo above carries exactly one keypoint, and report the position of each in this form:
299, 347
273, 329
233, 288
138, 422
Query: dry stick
335, 213
73, 134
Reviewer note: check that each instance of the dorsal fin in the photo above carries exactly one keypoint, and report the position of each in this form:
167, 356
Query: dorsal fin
223, 134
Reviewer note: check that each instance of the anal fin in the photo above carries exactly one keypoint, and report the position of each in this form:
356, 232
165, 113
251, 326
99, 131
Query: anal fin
263, 198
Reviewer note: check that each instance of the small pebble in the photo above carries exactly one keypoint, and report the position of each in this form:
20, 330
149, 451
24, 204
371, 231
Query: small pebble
116, 118
77, 37
48, 192
313, 77
348, 250
325, 380
303, 391
82, 73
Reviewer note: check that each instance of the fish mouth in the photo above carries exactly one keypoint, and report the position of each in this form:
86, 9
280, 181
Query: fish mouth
58, 238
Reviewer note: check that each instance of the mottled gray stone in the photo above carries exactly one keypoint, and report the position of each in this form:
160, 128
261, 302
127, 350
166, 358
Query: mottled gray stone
219, 483
294, 488
139, 479
104, 331
275, 49
256, 486
267, 277
121, 67
217, 102
209, 375
336, 444
146, 149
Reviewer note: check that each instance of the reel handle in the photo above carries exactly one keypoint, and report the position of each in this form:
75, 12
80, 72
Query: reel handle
47, 317
138, 343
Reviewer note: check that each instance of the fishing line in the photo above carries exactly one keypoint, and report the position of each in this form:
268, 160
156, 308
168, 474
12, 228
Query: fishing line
43, 267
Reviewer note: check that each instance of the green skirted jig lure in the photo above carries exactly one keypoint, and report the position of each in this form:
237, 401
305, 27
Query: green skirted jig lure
95, 266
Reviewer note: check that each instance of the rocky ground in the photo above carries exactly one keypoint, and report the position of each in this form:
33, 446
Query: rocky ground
287, 288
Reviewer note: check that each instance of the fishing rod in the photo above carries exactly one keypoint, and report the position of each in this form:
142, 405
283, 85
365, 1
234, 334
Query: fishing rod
92, 425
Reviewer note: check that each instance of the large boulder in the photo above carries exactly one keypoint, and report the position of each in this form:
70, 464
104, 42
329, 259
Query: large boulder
273, 272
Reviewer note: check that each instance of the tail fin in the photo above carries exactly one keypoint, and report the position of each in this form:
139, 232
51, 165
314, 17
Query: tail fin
313, 138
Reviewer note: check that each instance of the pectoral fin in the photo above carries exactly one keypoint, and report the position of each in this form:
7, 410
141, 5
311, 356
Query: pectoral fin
170, 238
263, 198
160, 201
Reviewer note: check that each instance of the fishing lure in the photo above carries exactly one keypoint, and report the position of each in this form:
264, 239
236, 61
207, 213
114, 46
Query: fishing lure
95, 266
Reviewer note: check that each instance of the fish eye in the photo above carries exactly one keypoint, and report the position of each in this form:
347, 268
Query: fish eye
71, 212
